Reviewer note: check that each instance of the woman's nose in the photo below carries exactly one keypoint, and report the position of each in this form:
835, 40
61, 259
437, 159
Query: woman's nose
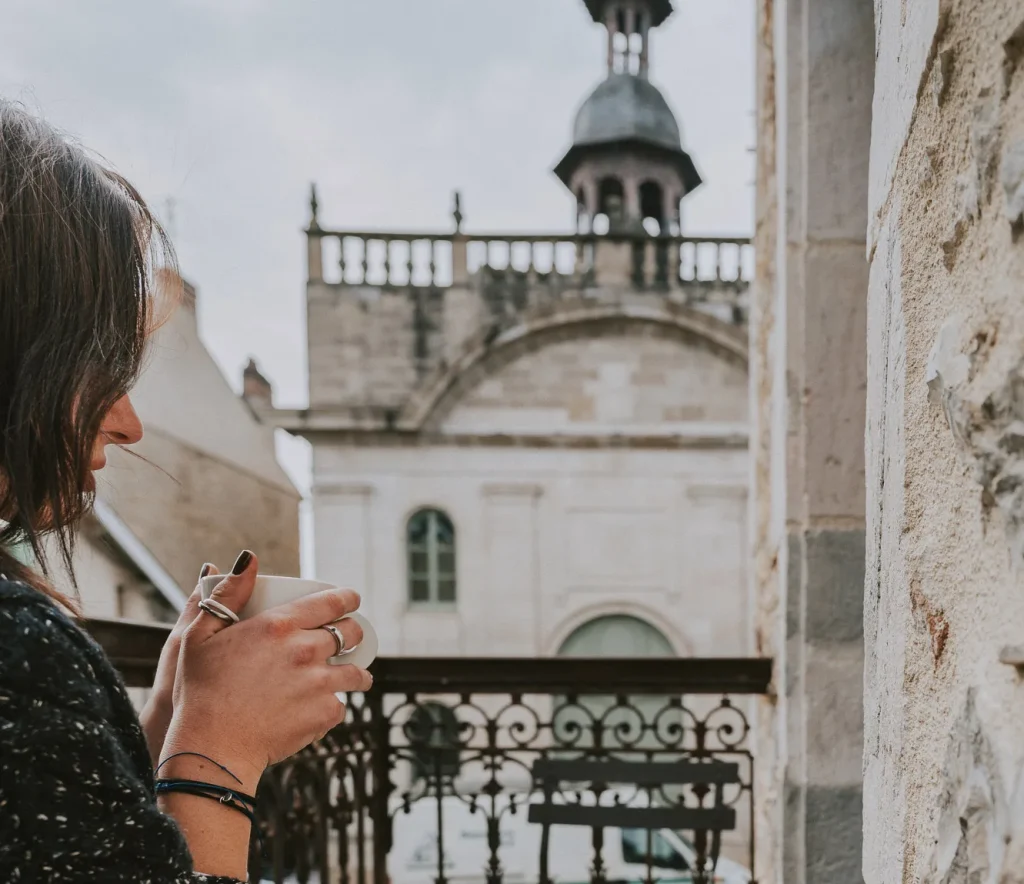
122, 425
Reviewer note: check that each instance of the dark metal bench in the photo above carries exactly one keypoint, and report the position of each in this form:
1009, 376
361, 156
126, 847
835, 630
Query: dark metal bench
702, 821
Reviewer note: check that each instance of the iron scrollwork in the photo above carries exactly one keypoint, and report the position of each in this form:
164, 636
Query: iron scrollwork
413, 745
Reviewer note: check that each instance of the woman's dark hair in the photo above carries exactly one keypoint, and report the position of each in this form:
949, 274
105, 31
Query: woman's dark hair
77, 249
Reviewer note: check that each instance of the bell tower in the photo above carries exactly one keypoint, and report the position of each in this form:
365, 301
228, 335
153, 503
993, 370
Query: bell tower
626, 166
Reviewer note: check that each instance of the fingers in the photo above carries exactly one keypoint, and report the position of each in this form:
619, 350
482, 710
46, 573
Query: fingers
319, 608
233, 592
191, 609
334, 711
351, 635
346, 679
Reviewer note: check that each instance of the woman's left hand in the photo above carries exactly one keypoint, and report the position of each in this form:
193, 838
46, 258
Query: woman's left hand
156, 715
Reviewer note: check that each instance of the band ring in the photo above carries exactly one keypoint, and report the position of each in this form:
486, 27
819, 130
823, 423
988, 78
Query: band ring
218, 610
339, 639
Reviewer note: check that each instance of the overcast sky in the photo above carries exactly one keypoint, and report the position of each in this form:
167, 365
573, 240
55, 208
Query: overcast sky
232, 107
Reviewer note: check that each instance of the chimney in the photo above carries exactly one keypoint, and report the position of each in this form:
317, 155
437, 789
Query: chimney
256, 389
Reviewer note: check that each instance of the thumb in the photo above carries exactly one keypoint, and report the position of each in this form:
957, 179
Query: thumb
233, 592
191, 609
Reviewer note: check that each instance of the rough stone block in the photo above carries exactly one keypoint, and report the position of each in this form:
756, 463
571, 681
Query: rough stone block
840, 36
794, 570
835, 379
834, 686
835, 586
833, 835
792, 839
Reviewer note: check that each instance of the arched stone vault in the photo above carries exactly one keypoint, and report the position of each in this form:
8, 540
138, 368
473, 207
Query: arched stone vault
486, 354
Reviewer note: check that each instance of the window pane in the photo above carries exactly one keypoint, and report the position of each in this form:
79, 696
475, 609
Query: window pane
446, 563
417, 532
446, 590
418, 561
663, 854
419, 589
634, 845
444, 531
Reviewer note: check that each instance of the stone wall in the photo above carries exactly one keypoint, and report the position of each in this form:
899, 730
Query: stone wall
606, 383
944, 717
372, 347
189, 507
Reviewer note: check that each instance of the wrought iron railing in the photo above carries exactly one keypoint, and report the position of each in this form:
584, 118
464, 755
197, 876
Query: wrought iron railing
462, 737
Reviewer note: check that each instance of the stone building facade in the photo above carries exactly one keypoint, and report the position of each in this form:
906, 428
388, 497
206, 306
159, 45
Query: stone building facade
526, 444
886, 307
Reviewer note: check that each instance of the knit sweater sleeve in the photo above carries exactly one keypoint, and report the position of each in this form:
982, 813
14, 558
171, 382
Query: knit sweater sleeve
73, 805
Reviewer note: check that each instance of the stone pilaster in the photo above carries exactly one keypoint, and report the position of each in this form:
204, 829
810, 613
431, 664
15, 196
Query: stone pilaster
809, 340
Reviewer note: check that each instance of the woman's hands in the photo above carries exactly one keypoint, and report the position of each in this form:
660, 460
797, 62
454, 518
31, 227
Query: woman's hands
252, 693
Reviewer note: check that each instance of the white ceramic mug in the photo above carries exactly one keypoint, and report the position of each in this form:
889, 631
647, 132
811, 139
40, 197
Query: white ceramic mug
270, 592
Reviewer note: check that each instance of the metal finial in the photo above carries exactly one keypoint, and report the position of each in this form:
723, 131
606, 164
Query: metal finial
313, 206
457, 213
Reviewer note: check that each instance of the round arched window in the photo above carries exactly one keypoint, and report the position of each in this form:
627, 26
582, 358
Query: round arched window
628, 720
430, 545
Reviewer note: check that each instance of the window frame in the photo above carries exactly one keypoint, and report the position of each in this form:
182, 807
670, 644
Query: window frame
433, 549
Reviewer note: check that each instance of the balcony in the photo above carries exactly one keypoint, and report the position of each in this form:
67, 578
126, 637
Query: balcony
473, 738
697, 271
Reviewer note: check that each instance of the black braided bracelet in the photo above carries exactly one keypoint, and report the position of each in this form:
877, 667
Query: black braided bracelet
244, 804
223, 793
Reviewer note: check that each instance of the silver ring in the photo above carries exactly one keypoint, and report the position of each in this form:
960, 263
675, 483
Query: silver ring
339, 639
220, 611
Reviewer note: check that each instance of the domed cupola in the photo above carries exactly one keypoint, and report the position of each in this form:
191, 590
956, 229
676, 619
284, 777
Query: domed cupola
626, 161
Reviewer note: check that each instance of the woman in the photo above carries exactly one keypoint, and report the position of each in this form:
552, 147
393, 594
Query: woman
78, 795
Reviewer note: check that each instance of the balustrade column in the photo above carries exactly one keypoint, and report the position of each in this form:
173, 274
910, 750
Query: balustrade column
672, 277
460, 260
649, 264
314, 257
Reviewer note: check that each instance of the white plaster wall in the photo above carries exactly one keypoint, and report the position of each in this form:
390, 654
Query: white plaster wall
547, 539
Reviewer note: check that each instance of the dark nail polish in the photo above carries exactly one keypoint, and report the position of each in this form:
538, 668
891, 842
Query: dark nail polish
242, 562
205, 570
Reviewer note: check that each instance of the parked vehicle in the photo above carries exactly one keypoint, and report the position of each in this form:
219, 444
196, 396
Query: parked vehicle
415, 845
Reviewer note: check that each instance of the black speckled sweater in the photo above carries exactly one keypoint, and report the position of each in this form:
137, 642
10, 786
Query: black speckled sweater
77, 802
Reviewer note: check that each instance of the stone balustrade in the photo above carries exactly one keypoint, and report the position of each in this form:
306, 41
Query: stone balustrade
720, 267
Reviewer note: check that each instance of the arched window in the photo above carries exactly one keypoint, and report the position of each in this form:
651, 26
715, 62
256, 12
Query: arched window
616, 635
631, 720
610, 197
433, 734
652, 202
430, 541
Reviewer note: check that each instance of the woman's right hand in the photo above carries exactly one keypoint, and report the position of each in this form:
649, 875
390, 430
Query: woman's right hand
252, 693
